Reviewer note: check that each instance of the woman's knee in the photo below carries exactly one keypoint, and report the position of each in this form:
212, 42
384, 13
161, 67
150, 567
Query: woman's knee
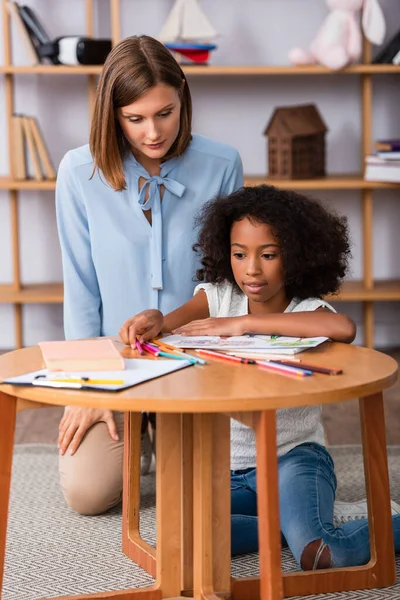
89, 498
91, 479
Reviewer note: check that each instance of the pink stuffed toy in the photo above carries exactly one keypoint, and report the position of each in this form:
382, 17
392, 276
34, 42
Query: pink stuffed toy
339, 42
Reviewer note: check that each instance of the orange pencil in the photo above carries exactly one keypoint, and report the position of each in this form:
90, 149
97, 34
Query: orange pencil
228, 357
166, 347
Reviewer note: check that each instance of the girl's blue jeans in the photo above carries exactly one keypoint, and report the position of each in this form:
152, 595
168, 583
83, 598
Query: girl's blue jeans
307, 487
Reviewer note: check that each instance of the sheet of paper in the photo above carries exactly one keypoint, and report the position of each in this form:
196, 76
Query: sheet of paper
261, 343
136, 371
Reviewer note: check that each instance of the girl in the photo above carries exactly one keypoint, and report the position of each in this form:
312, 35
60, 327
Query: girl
125, 208
268, 257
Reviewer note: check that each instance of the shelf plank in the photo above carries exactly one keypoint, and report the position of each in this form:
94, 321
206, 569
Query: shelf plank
211, 70
37, 293
351, 291
354, 291
342, 181
28, 184
331, 182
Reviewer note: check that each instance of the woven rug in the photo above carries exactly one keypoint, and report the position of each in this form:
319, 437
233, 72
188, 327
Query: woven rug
51, 551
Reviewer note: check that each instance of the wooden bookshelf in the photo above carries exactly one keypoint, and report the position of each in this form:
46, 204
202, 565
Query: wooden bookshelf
52, 293
355, 291
331, 182
37, 293
7, 183
367, 291
211, 70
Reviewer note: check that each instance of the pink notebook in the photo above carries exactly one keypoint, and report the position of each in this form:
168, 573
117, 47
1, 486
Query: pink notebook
82, 355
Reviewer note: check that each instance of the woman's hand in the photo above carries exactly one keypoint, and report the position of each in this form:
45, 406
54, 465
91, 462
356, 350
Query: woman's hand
75, 423
214, 326
143, 326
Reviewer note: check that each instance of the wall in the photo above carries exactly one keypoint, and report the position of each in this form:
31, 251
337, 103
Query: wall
231, 109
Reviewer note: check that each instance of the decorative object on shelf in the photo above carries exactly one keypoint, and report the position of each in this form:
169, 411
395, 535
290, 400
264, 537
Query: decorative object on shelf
76, 50
390, 52
187, 32
29, 146
339, 42
296, 143
65, 50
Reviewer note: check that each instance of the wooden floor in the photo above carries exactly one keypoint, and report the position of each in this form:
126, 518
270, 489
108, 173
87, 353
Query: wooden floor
341, 421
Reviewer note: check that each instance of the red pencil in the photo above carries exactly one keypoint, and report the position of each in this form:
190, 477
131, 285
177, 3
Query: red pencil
228, 357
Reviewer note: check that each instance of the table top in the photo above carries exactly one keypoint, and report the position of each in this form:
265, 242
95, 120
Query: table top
220, 386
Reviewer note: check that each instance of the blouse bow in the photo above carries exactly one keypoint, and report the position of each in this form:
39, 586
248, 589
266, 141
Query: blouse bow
153, 202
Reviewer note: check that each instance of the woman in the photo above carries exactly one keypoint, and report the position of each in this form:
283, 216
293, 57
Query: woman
125, 209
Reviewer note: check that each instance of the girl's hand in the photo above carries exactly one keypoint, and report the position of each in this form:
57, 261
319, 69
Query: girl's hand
214, 326
143, 326
75, 423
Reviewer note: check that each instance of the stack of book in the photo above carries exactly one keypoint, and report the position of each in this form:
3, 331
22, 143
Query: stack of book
384, 165
29, 151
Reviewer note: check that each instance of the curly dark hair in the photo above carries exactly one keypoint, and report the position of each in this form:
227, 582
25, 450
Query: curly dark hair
314, 242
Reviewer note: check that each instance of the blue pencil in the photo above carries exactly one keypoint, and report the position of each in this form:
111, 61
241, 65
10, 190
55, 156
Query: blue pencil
192, 359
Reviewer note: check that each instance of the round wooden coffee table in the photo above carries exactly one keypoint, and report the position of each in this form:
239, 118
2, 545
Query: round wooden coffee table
192, 476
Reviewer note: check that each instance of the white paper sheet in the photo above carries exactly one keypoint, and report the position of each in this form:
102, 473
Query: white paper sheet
136, 371
255, 343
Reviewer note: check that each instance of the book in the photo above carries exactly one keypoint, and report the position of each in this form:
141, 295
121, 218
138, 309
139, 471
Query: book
389, 155
31, 146
41, 148
23, 33
387, 145
37, 32
262, 344
135, 371
18, 158
82, 355
378, 169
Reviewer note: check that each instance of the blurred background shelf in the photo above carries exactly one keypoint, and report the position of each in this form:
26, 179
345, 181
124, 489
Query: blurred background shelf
212, 70
33, 293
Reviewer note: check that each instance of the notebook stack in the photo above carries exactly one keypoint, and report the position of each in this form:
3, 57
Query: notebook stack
384, 165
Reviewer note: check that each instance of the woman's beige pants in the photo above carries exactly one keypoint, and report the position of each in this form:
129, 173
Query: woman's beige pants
91, 479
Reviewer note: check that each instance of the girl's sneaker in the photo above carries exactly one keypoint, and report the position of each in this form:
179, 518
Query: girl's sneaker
350, 511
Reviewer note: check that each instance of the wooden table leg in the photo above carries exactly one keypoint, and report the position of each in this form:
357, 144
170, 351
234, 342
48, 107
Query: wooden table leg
169, 520
187, 504
378, 490
269, 535
211, 506
380, 570
8, 411
133, 545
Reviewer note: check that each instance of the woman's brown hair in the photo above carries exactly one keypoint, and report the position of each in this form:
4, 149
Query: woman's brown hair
132, 68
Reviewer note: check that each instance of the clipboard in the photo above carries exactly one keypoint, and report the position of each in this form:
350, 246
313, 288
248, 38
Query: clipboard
136, 371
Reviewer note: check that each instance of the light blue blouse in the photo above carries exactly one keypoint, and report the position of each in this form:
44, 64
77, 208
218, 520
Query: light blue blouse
116, 264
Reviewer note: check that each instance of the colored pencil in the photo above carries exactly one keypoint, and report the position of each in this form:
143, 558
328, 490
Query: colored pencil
186, 356
260, 356
314, 368
87, 381
150, 349
160, 343
228, 357
176, 356
139, 347
283, 369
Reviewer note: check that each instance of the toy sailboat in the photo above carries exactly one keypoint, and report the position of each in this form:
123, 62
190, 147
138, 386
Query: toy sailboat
188, 31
